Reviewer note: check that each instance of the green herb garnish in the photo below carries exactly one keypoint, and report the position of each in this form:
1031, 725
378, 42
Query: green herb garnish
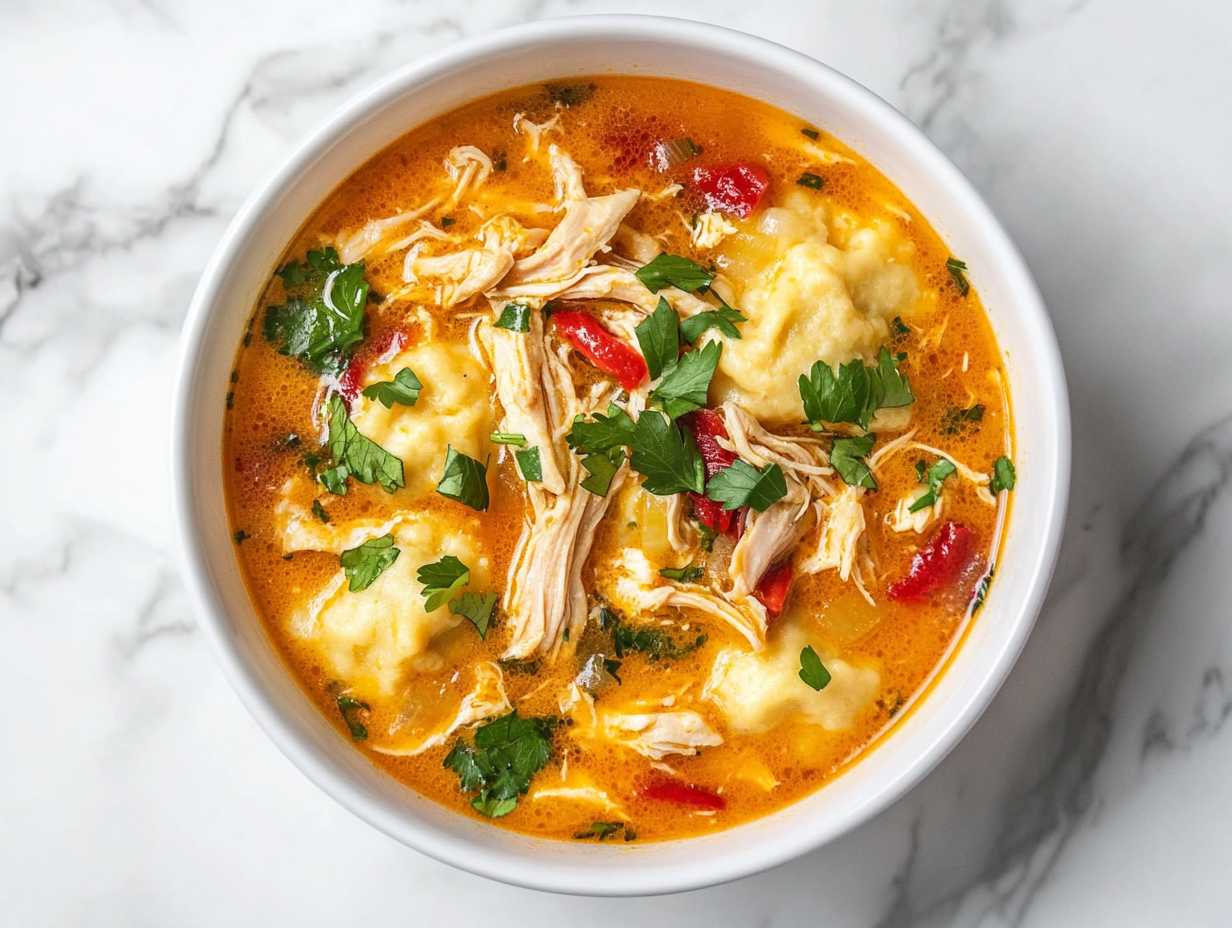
477, 607
724, 319
1003, 475
323, 317
653, 642
507, 438
350, 709
848, 458
507, 753
667, 458
600, 830
240, 536
854, 393
742, 484
364, 564
403, 389
686, 382
515, 317
812, 181
447, 221
570, 94
530, 465
658, 335
319, 511
441, 580
812, 671
673, 271
358, 456
686, 574
811, 133
936, 476
464, 479
956, 269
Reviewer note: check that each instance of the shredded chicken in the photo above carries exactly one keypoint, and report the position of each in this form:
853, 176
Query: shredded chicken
710, 229
769, 537
468, 167
904, 520
801, 458
658, 734
487, 700
534, 131
587, 793
838, 545
361, 242
639, 589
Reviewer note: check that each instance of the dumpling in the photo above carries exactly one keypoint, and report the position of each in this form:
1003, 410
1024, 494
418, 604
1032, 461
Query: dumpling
368, 638
757, 690
454, 408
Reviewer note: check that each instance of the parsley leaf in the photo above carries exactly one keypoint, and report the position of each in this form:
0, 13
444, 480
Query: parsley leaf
666, 457
742, 484
602, 468
812, 671
507, 438
477, 607
895, 391
936, 476
515, 317
855, 393
686, 382
1003, 475
956, 268
849, 396
364, 564
686, 574
811, 133
600, 829
570, 94
724, 319
655, 643
603, 433
361, 457
847, 457
673, 271
658, 335
464, 479
350, 709
981, 592
319, 511
323, 317
530, 465
812, 181
507, 753
403, 389
441, 580
334, 479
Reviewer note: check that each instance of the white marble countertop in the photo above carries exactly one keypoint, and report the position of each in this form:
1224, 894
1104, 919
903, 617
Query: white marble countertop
136, 790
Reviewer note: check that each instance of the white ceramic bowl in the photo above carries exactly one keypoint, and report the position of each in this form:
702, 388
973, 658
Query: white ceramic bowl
246, 257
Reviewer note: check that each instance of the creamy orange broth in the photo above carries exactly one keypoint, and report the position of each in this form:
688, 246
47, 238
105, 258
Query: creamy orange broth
952, 363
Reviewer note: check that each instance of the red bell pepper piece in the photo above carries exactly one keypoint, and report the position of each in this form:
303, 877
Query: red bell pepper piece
376, 350
735, 188
707, 427
773, 587
603, 349
936, 565
686, 794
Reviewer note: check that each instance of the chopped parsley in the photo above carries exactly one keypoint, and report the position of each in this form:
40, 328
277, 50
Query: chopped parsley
658, 335
811, 133
507, 438
403, 389
956, 269
686, 382
812, 181
981, 592
673, 271
707, 536
364, 564
601, 468
319, 511
515, 317
847, 456
358, 456
500, 161
686, 574
603, 830
530, 465
447, 221
1003, 475
854, 393
477, 607
323, 317
812, 670
900, 327
464, 479
667, 458
512, 665
655, 643
441, 580
350, 709
936, 476
742, 484
724, 319
507, 753
240, 536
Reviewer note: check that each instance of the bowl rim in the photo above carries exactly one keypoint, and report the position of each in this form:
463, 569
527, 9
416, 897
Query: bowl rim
555, 874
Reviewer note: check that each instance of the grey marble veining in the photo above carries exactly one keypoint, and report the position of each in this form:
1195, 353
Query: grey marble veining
136, 790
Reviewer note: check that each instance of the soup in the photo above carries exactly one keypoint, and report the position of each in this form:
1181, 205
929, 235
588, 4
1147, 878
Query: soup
617, 459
